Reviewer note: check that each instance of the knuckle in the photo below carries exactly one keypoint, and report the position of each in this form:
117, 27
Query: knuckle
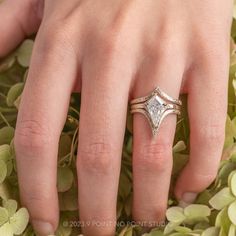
31, 135
56, 37
96, 157
154, 156
111, 41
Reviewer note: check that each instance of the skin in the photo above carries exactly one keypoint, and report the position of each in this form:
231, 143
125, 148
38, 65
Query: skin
113, 51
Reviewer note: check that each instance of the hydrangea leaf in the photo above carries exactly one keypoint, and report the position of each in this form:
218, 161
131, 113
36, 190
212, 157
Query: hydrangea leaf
124, 186
222, 233
129, 123
65, 179
128, 205
232, 182
182, 229
9, 167
197, 211
6, 230
63, 231
11, 206
222, 199
13, 93
3, 216
201, 225
64, 145
19, 221
234, 120
232, 230
212, 231
17, 102
68, 200
232, 212
170, 227
7, 63
3, 171
5, 154
175, 214
154, 233
6, 135
179, 146
24, 52
222, 221
229, 133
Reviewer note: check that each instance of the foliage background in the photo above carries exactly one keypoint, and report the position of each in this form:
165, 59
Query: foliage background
213, 213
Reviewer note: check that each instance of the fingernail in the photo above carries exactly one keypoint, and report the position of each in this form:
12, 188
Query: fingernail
42, 228
187, 199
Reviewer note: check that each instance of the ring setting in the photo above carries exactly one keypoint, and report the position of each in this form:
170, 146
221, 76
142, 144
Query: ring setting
156, 107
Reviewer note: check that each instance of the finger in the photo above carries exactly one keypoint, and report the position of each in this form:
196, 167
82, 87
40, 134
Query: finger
19, 19
207, 105
42, 114
152, 156
103, 115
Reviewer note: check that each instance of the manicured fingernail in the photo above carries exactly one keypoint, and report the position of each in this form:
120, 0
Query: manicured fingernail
187, 199
42, 228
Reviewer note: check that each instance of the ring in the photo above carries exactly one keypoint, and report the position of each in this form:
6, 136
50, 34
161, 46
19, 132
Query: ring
156, 107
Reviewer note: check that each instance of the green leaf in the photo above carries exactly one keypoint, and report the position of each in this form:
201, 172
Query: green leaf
182, 229
5, 154
232, 230
175, 214
222, 221
64, 145
222, 199
179, 146
3, 171
6, 135
232, 212
64, 179
197, 211
229, 133
6, 230
124, 186
212, 231
11, 206
3, 216
24, 53
68, 200
19, 221
62, 230
232, 182
13, 93
170, 227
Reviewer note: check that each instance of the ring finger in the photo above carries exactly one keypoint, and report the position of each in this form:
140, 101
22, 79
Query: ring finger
152, 156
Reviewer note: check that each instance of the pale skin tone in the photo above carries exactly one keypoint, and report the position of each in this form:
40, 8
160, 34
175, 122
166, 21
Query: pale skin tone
113, 51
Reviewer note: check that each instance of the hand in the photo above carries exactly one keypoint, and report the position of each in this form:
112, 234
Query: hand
114, 51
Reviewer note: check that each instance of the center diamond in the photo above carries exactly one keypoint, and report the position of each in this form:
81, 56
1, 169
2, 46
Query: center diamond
155, 107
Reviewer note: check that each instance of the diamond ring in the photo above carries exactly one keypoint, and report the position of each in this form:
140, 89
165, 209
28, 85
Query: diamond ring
156, 107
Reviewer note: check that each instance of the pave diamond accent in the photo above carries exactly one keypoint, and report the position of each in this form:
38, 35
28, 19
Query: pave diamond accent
155, 106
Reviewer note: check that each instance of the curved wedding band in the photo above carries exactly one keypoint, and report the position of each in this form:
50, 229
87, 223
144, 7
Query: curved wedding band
156, 107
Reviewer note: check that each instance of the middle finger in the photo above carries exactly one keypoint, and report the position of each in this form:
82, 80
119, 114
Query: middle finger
105, 89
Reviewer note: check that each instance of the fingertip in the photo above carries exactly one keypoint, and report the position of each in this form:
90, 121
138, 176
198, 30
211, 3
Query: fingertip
43, 228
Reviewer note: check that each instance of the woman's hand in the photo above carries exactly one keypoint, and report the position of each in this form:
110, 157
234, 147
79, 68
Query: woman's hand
114, 51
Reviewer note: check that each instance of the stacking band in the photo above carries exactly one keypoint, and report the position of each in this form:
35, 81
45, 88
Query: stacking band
156, 107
